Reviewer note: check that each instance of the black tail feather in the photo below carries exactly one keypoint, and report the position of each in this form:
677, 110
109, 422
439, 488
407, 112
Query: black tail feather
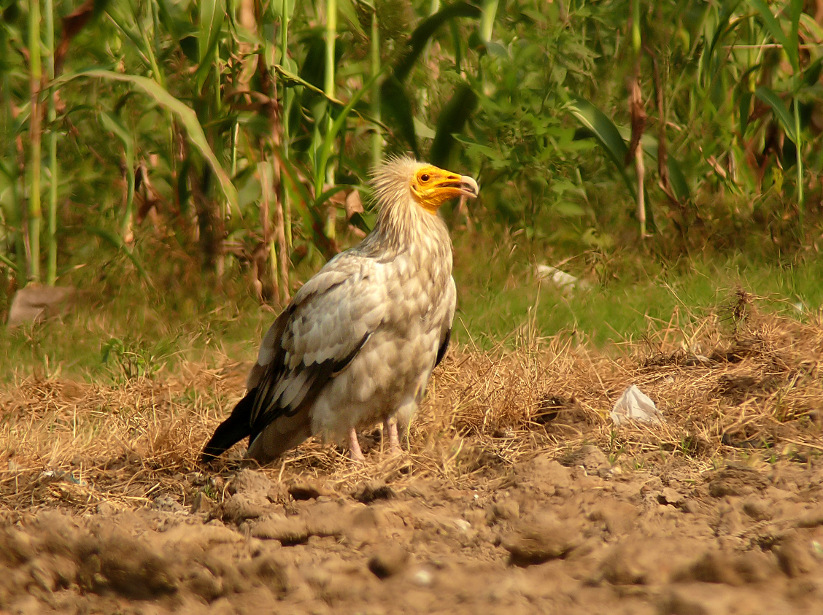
230, 431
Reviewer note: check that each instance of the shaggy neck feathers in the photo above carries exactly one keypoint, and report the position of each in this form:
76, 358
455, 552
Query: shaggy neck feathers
401, 221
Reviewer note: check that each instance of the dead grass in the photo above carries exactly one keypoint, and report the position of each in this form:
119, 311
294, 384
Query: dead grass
738, 383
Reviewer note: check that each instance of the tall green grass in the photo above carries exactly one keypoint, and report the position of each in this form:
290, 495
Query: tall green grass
137, 330
627, 295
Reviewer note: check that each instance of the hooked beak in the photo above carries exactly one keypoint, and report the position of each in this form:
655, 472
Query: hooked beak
462, 186
468, 187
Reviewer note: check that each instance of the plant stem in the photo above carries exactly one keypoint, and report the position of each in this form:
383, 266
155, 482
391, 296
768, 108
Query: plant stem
35, 76
328, 88
51, 270
487, 19
16, 215
287, 96
801, 199
377, 135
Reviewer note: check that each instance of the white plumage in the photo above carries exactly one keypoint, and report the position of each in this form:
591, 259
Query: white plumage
360, 339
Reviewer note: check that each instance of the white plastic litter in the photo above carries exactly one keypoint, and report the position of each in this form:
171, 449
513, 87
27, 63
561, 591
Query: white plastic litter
634, 405
566, 282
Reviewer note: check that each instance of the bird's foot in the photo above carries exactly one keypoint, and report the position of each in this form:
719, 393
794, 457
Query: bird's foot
390, 429
355, 453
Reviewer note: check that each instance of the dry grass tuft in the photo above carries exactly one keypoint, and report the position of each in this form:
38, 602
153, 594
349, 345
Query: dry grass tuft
738, 383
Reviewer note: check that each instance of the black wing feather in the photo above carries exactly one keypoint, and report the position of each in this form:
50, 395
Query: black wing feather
230, 431
265, 409
444, 346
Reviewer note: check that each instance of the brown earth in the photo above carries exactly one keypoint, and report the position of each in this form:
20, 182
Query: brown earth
517, 495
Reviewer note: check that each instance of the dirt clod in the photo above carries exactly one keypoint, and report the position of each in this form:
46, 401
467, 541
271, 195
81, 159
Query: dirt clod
736, 480
795, 557
375, 490
388, 561
538, 540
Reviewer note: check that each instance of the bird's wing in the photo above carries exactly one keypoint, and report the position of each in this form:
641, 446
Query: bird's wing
316, 337
446, 326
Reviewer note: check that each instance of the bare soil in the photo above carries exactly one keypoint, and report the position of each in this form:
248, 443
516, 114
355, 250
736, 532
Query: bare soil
517, 494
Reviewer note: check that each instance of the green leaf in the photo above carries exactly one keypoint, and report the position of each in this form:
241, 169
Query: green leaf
331, 135
422, 33
184, 114
604, 130
452, 119
292, 79
743, 103
212, 15
394, 103
677, 179
567, 209
796, 8
112, 123
781, 111
811, 74
776, 31
15, 267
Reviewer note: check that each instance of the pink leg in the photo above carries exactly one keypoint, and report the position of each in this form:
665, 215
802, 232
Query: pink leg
390, 428
354, 447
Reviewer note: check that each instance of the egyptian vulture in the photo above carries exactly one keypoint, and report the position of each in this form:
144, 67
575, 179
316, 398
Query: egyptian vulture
360, 339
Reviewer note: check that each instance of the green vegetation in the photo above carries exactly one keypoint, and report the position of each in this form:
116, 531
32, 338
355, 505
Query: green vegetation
126, 336
626, 297
176, 158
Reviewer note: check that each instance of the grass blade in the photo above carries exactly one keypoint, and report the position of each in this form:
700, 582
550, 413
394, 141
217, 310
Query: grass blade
775, 29
781, 111
334, 129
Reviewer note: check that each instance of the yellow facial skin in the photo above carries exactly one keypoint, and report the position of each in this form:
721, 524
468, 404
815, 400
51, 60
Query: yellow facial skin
432, 187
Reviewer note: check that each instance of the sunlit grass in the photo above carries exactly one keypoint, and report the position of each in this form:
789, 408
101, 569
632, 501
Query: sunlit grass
130, 331
625, 297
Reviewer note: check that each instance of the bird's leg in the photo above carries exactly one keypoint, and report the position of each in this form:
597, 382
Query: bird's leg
354, 447
390, 428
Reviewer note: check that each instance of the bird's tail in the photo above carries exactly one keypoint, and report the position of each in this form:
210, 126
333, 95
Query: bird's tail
230, 431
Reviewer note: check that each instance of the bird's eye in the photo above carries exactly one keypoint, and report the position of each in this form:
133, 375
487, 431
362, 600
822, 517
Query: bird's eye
424, 177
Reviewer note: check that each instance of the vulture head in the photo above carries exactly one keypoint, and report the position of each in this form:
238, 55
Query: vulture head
405, 179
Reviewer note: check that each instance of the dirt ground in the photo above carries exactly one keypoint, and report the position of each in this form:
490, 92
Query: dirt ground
518, 495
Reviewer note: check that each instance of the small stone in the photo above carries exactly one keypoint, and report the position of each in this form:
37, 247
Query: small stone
36, 303
757, 509
794, 556
539, 541
508, 510
304, 491
239, 507
375, 490
423, 577
250, 482
388, 561
713, 567
811, 520
288, 530
106, 508
736, 480
167, 503
671, 497
202, 582
589, 457
202, 503
630, 563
